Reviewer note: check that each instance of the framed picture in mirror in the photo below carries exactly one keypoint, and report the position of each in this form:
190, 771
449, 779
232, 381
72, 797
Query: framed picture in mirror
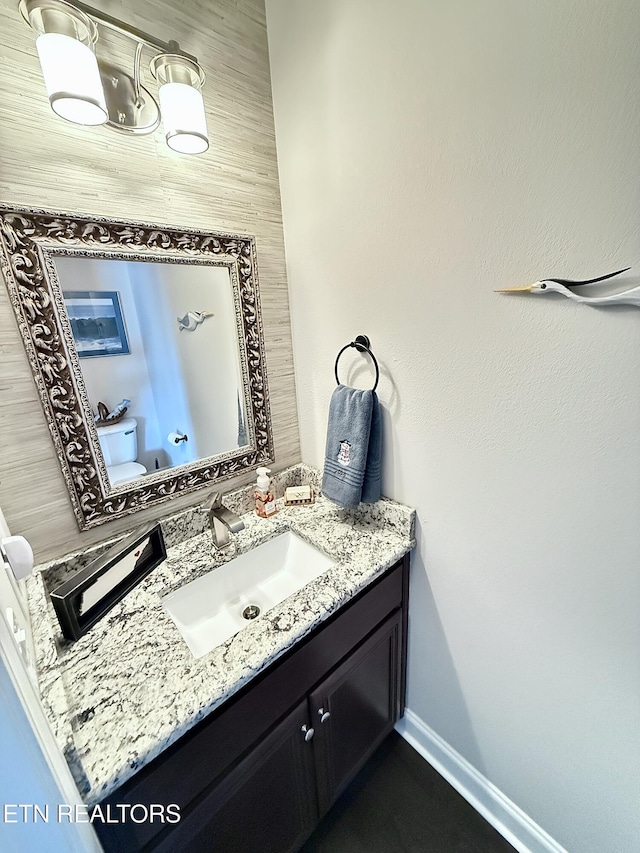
96, 322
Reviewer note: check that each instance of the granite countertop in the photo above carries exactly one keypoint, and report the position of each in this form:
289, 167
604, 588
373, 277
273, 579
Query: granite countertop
130, 687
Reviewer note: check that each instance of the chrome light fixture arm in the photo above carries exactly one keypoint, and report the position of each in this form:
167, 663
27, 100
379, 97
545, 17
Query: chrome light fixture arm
136, 75
132, 32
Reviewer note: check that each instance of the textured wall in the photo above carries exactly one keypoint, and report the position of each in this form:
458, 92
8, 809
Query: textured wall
49, 163
429, 153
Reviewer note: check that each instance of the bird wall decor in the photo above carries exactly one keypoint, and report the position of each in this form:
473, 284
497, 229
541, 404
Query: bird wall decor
192, 319
628, 279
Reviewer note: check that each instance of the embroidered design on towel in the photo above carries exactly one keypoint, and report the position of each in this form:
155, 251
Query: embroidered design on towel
344, 453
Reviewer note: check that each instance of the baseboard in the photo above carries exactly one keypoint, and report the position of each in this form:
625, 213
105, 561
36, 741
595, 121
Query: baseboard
505, 816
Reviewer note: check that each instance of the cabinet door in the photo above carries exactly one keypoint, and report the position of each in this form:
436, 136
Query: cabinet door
266, 803
359, 703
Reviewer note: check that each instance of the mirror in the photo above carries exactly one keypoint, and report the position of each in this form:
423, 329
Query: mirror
143, 344
146, 346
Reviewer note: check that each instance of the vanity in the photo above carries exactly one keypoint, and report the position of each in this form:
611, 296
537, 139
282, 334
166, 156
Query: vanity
253, 740
249, 735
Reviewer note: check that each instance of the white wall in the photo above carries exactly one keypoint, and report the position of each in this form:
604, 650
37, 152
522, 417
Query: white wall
194, 374
430, 152
209, 356
157, 325
27, 779
33, 770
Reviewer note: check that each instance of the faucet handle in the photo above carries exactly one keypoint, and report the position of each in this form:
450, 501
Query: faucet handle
214, 501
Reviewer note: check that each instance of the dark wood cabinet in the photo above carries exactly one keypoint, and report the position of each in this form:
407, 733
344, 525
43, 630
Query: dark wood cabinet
359, 703
258, 774
266, 803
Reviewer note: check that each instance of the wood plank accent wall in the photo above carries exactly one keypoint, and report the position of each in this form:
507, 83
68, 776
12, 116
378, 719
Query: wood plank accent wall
48, 163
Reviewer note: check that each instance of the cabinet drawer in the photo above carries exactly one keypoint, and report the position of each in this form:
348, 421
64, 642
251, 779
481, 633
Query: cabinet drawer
192, 764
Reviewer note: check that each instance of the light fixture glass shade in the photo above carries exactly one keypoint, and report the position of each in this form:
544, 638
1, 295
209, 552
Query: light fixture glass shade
183, 118
72, 79
181, 104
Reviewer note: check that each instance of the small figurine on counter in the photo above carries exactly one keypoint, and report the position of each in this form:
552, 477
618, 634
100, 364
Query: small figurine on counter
264, 497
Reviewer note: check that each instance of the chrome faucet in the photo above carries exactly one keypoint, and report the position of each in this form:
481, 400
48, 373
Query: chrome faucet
222, 520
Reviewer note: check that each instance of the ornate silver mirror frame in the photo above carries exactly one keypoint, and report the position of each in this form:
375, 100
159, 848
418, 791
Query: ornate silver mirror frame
30, 241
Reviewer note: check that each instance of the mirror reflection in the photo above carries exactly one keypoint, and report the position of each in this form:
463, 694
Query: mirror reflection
159, 355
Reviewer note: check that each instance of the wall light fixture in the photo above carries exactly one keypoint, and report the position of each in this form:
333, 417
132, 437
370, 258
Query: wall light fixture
85, 90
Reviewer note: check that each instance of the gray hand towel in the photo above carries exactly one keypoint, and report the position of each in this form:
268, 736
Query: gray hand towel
372, 485
347, 445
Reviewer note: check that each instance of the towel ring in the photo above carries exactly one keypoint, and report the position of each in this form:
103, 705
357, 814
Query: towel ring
362, 344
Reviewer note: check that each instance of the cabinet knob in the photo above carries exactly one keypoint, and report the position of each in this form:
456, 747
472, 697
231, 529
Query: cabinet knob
324, 715
308, 733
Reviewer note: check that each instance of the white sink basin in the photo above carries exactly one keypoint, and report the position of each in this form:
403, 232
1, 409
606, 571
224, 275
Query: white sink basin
209, 610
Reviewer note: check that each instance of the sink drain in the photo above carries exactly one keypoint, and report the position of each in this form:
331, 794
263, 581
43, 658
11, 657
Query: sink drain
251, 611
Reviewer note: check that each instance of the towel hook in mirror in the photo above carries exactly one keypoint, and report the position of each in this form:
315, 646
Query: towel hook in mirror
362, 344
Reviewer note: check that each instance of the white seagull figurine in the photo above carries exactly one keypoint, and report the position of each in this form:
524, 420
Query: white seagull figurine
629, 278
192, 319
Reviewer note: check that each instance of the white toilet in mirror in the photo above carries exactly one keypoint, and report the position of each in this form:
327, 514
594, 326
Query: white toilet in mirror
119, 443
